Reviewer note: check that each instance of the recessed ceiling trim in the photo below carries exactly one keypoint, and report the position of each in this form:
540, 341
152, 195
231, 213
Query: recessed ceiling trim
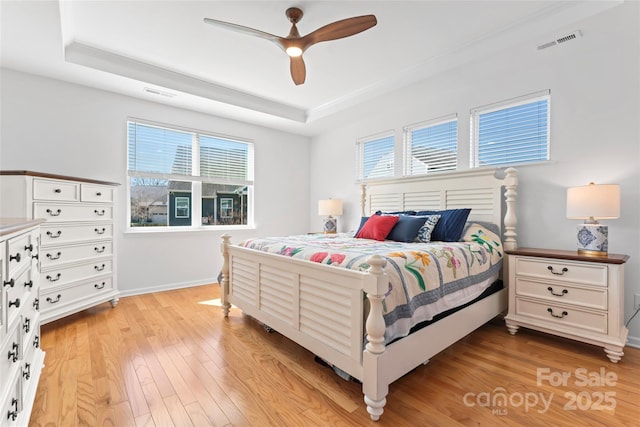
92, 57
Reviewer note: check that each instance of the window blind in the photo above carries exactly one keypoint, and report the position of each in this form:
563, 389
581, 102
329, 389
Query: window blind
159, 150
431, 146
376, 157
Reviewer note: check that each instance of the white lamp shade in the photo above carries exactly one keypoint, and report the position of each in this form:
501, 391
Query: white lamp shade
330, 207
593, 201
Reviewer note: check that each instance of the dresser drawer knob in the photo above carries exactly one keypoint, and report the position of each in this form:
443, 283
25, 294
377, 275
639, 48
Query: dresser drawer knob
53, 301
29, 284
100, 250
56, 213
54, 257
27, 371
16, 302
564, 292
564, 313
13, 355
12, 415
26, 325
52, 279
99, 231
99, 267
99, 213
564, 270
57, 191
99, 286
10, 283
98, 194
16, 257
36, 304
28, 247
54, 235
36, 341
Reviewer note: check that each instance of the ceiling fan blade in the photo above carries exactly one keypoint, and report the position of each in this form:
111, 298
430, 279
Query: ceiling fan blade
340, 29
298, 70
244, 30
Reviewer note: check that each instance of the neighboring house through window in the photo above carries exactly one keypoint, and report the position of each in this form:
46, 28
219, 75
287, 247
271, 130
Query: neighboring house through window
182, 177
431, 146
375, 156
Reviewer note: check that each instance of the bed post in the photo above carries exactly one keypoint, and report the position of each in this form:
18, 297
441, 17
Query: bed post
363, 199
510, 220
224, 283
374, 385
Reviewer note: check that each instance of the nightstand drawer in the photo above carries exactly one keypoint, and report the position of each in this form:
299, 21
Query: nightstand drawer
570, 317
56, 190
562, 271
563, 293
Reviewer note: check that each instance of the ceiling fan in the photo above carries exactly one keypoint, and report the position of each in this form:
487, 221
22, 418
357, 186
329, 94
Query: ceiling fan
294, 44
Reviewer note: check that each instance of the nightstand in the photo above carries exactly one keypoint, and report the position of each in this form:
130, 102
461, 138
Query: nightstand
569, 295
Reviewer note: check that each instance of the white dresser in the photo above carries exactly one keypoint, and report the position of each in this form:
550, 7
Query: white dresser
21, 359
77, 264
570, 295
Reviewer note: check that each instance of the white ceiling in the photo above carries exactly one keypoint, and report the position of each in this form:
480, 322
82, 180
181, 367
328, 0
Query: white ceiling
126, 46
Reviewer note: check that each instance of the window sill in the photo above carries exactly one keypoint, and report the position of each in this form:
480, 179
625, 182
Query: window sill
163, 230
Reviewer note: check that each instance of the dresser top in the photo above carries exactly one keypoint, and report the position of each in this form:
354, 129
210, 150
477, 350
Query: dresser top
54, 176
569, 255
11, 225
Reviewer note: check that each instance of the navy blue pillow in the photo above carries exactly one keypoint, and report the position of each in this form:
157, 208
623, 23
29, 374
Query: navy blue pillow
396, 213
362, 221
406, 229
450, 226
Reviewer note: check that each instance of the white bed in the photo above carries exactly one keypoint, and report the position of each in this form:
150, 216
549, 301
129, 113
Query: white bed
288, 294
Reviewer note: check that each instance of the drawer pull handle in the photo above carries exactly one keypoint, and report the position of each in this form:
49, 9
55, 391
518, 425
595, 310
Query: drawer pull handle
564, 270
36, 341
13, 355
29, 284
26, 325
10, 283
29, 247
51, 279
36, 256
54, 236
16, 302
12, 415
54, 257
564, 292
99, 213
100, 286
53, 301
100, 250
98, 194
27, 371
56, 213
564, 313
36, 304
16, 257
57, 190
100, 231
99, 267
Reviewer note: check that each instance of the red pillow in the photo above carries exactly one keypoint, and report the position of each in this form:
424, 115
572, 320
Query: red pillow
377, 227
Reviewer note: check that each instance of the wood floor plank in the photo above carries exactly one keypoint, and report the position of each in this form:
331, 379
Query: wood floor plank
171, 358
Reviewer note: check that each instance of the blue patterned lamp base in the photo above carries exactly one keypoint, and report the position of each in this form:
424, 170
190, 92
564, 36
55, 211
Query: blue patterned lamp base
330, 225
593, 239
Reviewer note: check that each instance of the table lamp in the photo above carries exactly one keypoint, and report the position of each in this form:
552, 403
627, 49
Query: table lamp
329, 208
591, 203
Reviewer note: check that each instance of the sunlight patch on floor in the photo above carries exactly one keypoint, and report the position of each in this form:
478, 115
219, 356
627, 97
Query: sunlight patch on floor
215, 302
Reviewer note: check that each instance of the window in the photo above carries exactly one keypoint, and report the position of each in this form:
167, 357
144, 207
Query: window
375, 156
175, 174
510, 132
431, 146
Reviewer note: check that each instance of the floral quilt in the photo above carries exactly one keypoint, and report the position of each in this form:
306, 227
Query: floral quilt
425, 279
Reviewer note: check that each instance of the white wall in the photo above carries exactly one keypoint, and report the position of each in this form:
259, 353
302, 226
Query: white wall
62, 128
595, 97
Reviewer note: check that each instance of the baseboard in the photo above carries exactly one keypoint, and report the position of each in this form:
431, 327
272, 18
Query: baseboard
633, 342
166, 287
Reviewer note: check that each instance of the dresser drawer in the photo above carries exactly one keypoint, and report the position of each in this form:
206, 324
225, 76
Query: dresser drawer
55, 234
63, 295
11, 353
79, 212
56, 190
561, 315
30, 318
562, 271
18, 294
563, 293
12, 406
19, 252
63, 275
96, 193
58, 255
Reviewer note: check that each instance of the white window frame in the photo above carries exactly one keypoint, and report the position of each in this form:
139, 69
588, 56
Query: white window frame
408, 151
195, 179
475, 114
360, 153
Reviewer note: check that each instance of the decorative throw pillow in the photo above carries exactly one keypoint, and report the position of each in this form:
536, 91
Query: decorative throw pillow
406, 228
363, 220
396, 213
449, 227
424, 234
377, 227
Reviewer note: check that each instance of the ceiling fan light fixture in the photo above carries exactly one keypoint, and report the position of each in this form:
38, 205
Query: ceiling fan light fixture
293, 51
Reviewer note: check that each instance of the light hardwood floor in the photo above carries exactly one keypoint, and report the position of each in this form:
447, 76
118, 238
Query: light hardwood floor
171, 359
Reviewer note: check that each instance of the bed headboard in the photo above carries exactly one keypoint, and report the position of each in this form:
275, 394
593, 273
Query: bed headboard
478, 189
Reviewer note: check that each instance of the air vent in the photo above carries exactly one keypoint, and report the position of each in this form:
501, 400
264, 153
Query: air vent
159, 92
567, 37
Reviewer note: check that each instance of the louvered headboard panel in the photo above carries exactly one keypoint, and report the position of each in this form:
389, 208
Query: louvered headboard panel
480, 190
